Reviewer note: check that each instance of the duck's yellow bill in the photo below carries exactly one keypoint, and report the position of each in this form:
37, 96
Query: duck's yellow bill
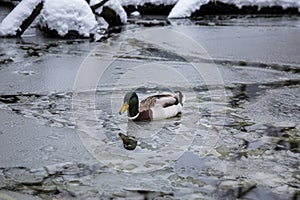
124, 108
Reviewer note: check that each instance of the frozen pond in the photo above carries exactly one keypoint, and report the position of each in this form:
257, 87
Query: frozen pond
238, 135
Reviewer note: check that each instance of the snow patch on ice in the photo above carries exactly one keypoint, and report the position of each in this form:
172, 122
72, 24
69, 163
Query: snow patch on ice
11, 24
64, 16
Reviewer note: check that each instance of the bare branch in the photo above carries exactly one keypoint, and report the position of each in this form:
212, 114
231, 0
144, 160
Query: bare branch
98, 5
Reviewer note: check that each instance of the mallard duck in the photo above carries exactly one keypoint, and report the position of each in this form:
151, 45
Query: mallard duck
153, 107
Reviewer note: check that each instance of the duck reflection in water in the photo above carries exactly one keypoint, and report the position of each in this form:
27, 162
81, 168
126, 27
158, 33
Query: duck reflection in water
129, 142
138, 133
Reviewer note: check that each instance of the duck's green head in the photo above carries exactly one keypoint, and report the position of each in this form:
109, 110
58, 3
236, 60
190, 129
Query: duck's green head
131, 103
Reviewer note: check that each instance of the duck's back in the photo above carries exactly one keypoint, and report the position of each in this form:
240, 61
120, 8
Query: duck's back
163, 100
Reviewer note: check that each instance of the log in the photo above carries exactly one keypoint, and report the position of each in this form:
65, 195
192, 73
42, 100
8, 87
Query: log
27, 22
17, 21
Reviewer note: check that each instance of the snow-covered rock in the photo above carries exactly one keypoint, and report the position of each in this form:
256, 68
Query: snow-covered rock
115, 7
185, 8
118, 8
11, 24
64, 16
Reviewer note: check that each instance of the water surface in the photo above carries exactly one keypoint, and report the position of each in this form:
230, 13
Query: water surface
238, 139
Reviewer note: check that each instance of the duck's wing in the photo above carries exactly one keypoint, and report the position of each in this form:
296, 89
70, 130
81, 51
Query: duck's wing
164, 100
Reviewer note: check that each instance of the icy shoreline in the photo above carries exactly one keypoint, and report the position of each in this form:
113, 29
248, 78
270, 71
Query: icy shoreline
186, 8
80, 17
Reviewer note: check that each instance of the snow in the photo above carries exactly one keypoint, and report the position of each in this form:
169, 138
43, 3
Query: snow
135, 14
65, 15
185, 8
93, 2
14, 19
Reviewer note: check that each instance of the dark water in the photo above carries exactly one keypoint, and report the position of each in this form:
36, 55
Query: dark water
238, 135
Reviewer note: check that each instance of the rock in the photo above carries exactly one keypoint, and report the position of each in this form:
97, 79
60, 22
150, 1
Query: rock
111, 16
200, 8
112, 11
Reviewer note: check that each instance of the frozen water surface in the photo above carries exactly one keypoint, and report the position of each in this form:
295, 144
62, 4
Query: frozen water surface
59, 134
